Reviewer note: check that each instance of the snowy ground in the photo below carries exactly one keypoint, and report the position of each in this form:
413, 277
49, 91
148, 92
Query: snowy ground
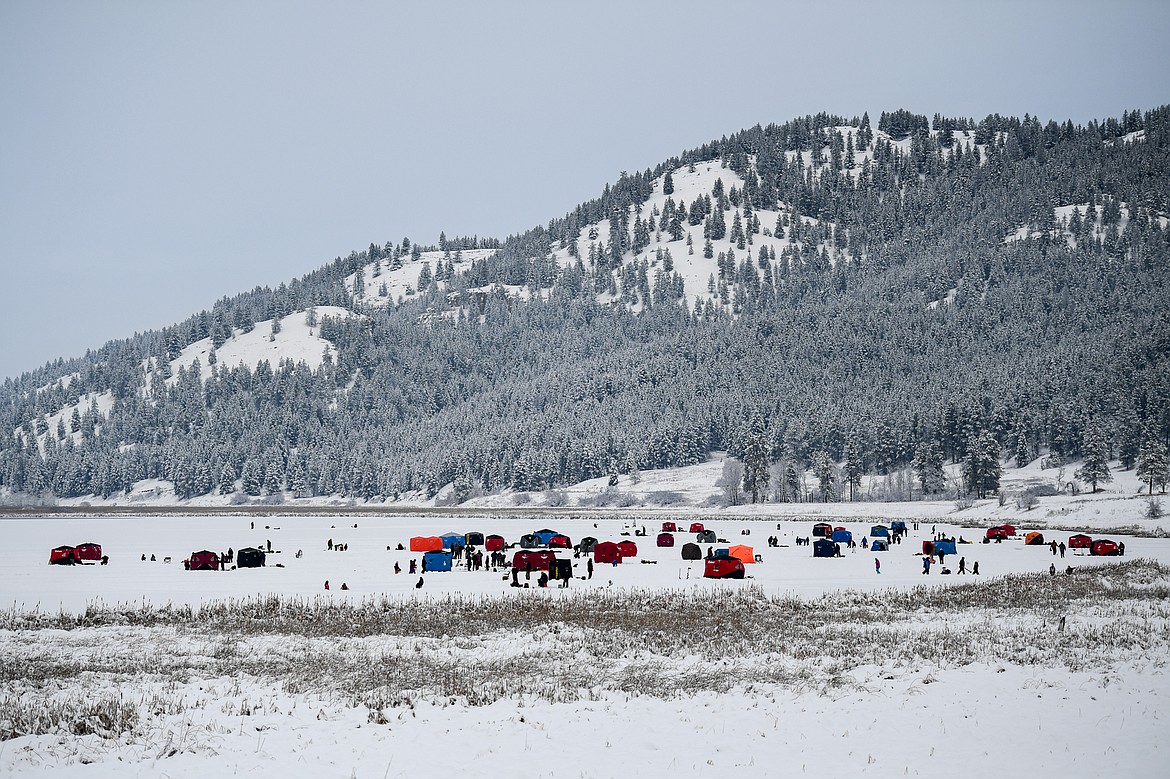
811, 666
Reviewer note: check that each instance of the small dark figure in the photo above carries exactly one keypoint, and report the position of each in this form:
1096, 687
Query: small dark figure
418, 585
344, 586
1052, 569
589, 567
105, 559
231, 554
836, 550
543, 580
1068, 570
152, 558
962, 565
515, 577
413, 566
975, 568
329, 545
527, 570
877, 565
144, 557
326, 584
401, 547
397, 568
424, 564
1121, 549
253, 525
925, 565
1062, 549
270, 545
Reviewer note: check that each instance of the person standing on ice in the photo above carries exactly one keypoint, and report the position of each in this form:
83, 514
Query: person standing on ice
925, 565
962, 565
975, 568
877, 565
589, 567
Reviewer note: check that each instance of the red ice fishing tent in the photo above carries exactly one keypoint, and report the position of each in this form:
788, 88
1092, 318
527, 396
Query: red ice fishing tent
1080, 541
1009, 529
204, 561
665, 539
927, 547
697, 527
493, 543
1104, 547
627, 548
745, 554
89, 551
63, 555
997, 532
537, 561
669, 527
426, 544
822, 529
606, 552
1034, 539
560, 542
723, 568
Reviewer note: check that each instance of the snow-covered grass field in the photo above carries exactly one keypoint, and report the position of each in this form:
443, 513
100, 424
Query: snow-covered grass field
810, 666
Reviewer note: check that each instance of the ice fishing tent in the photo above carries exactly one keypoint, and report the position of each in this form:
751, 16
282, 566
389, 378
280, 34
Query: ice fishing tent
879, 545
426, 544
1034, 539
697, 527
722, 552
898, 526
529, 541
89, 551
842, 536
537, 561
493, 543
822, 530
473, 539
1080, 541
437, 561
745, 554
927, 547
627, 548
249, 557
665, 539
723, 568
559, 567
560, 541
669, 527
692, 552
1104, 547
606, 552
706, 537
824, 548
544, 535
204, 561
879, 531
945, 547
587, 544
451, 540
996, 532
62, 555
1009, 529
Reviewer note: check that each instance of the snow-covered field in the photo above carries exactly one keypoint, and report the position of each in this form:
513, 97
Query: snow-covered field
810, 666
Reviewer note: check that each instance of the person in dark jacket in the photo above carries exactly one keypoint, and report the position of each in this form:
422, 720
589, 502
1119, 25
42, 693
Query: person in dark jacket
589, 567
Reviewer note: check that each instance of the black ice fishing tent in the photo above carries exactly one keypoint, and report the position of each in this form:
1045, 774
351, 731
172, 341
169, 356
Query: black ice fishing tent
250, 557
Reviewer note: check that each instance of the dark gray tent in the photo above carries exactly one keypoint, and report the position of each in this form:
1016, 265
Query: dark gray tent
473, 539
529, 541
587, 544
706, 537
692, 552
249, 558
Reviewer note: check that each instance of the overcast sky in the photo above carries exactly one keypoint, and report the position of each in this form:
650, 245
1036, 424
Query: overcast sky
155, 157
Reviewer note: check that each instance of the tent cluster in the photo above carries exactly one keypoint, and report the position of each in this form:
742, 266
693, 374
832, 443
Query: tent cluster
86, 553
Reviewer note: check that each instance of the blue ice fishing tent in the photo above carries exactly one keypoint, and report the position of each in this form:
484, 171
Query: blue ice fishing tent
437, 561
842, 536
946, 547
721, 553
823, 547
879, 531
544, 535
879, 545
451, 540
898, 526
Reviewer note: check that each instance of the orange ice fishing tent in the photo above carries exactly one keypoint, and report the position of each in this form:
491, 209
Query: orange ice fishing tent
426, 544
744, 554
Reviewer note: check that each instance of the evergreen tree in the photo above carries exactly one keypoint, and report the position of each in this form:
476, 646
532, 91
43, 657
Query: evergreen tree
755, 462
823, 468
981, 466
1095, 455
928, 464
1153, 467
668, 184
853, 465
